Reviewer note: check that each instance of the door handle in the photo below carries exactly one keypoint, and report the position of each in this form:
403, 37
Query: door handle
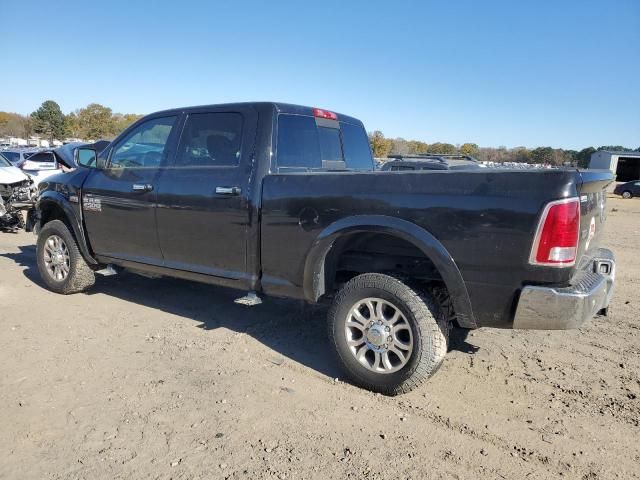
228, 190
142, 187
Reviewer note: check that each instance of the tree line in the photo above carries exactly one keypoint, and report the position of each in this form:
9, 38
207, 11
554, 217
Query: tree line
383, 146
94, 122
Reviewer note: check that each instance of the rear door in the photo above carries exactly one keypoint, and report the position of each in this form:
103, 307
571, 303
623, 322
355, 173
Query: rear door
119, 201
203, 209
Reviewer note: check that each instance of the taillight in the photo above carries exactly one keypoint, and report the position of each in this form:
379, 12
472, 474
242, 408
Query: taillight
318, 112
558, 234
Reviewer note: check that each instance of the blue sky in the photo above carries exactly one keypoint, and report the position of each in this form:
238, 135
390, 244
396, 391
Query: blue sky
562, 73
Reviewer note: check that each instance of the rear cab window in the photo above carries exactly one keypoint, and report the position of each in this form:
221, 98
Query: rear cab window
307, 143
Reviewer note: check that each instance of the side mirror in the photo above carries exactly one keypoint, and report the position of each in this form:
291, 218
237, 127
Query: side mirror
86, 157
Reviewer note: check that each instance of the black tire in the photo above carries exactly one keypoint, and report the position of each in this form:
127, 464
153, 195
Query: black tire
429, 329
627, 194
80, 276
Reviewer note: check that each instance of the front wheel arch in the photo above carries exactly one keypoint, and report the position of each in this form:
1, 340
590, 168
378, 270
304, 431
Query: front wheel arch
54, 206
65, 255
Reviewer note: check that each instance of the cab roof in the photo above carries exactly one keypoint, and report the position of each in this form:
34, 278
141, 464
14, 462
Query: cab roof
277, 107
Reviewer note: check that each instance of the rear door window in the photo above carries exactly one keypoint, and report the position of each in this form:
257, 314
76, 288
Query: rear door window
303, 144
211, 140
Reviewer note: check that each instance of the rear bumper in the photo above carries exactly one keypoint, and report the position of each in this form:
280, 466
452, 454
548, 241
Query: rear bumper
562, 308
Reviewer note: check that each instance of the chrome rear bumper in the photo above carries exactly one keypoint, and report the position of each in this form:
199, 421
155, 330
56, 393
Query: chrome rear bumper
562, 308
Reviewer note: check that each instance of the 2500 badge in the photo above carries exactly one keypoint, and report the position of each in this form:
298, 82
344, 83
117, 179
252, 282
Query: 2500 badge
92, 204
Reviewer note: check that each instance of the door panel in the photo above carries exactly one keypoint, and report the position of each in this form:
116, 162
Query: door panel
119, 202
203, 213
121, 221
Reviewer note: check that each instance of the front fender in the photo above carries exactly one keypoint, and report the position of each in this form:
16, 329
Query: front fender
57, 199
314, 277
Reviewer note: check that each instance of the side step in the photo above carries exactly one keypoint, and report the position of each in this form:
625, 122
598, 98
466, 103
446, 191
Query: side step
107, 271
251, 299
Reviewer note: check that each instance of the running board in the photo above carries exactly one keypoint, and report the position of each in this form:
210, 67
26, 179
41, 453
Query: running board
250, 300
107, 271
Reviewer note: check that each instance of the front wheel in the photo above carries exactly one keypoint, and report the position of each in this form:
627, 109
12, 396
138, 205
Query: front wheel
626, 194
60, 262
389, 338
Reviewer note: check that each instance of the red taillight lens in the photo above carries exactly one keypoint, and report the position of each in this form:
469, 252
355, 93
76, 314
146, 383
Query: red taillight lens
318, 112
558, 233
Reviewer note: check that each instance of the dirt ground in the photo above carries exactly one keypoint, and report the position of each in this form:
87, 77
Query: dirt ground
163, 379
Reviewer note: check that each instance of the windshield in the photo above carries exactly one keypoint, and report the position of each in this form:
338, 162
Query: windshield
4, 162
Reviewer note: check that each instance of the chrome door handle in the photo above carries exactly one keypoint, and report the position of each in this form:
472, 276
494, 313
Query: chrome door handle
142, 187
228, 190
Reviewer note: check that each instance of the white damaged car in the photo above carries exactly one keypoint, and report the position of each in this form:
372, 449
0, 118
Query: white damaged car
17, 191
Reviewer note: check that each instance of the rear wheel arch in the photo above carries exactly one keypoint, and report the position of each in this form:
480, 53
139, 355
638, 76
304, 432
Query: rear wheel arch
331, 243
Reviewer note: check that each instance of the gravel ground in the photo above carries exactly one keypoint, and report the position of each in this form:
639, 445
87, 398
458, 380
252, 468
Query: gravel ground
145, 378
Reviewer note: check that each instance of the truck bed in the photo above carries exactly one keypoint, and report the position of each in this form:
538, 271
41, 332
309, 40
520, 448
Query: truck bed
485, 219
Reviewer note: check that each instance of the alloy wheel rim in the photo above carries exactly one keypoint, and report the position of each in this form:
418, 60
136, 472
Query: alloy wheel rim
57, 260
378, 335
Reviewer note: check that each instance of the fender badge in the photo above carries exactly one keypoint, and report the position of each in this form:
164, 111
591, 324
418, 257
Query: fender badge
73, 199
92, 204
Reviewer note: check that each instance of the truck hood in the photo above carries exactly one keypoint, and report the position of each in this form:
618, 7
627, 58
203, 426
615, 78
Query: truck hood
10, 175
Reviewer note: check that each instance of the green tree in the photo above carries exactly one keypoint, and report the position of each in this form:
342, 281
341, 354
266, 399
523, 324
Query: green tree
469, 149
443, 148
95, 121
614, 148
380, 146
49, 120
71, 125
122, 121
583, 157
542, 155
416, 146
520, 154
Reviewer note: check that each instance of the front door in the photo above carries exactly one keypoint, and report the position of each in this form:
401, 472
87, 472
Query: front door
203, 210
119, 201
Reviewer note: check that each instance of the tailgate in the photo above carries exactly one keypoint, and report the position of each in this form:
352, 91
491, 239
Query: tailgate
592, 189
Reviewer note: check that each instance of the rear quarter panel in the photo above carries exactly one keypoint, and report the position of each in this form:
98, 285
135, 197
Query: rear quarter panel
485, 219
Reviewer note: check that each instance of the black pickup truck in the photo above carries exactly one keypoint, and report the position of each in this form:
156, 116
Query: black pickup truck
283, 200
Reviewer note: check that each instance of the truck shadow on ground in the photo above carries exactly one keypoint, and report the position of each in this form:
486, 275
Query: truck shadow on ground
287, 327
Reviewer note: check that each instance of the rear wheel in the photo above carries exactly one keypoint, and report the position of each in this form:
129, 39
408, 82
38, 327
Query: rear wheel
389, 337
60, 263
626, 194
